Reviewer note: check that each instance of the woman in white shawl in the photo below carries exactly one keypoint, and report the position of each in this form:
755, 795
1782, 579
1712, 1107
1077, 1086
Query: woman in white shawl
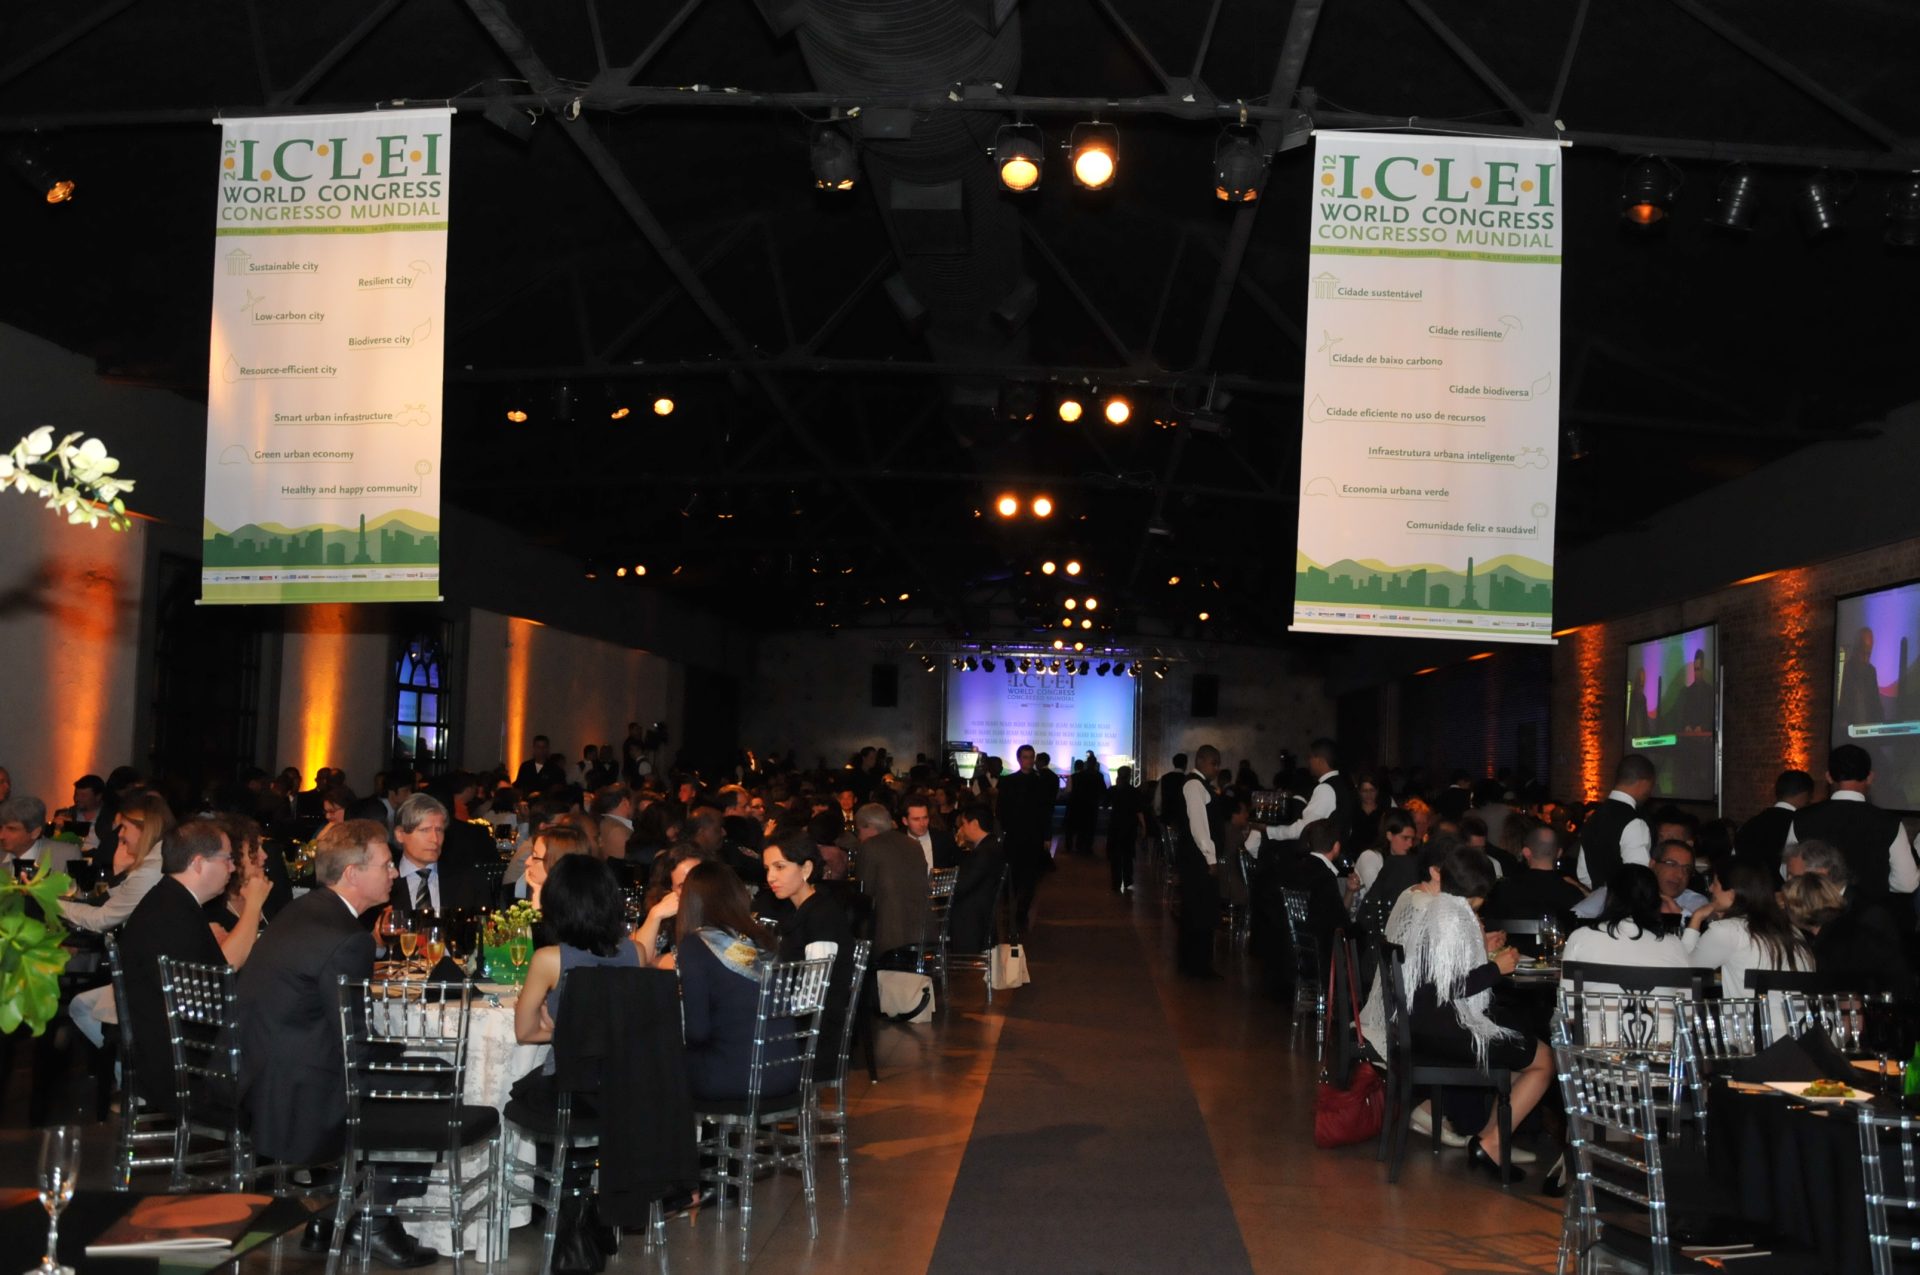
1450, 976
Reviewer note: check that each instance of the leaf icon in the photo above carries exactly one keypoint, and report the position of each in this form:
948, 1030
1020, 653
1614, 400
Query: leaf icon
230, 370
1544, 386
1317, 410
421, 333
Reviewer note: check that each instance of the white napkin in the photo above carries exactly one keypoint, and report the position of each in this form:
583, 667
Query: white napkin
822, 951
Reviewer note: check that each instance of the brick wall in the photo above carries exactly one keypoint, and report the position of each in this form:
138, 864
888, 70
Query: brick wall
1776, 656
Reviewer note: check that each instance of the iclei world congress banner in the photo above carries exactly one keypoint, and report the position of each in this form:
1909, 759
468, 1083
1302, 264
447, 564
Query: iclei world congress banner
1430, 440
324, 391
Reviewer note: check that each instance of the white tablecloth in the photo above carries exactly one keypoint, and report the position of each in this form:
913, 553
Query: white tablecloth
494, 1061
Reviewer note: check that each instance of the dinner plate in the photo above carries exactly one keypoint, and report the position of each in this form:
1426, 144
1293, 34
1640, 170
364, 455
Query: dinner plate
1797, 1089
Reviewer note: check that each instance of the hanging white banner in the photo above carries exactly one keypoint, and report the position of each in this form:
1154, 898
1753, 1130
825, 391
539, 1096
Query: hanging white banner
1429, 447
324, 390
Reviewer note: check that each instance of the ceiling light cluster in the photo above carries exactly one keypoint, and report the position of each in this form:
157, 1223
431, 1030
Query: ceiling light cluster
1008, 505
1019, 156
1651, 184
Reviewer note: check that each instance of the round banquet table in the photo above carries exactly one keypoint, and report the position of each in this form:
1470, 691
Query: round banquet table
494, 1061
1793, 1169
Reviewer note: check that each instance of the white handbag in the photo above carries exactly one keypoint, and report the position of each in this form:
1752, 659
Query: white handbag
1008, 967
905, 996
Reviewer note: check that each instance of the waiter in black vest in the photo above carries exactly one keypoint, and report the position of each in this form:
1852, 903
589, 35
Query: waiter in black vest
1334, 798
1879, 856
1615, 833
1198, 820
1762, 837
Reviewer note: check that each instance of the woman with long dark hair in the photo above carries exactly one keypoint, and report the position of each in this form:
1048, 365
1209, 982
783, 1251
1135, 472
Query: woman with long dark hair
585, 914
1750, 930
1630, 931
719, 957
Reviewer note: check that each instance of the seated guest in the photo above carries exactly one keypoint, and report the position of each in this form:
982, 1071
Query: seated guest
1673, 870
145, 823
977, 889
1395, 839
233, 924
336, 802
586, 917
1536, 889
809, 915
196, 863
893, 875
292, 1080
1858, 940
1452, 1011
1318, 873
916, 820
656, 935
21, 848
1749, 931
429, 882
1629, 932
614, 806
550, 845
719, 962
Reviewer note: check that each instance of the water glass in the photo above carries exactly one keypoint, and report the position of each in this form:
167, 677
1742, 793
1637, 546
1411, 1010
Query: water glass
1550, 937
59, 1167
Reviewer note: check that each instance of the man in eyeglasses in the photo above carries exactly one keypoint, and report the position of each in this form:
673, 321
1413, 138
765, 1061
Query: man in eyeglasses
1672, 866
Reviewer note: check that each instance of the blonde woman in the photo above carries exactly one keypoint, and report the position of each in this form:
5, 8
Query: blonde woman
145, 821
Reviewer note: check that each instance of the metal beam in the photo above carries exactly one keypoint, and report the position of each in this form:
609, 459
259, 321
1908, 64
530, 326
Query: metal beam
1473, 61
513, 43
1138, 45
1566, 61
53, 44
332, 58
1094, 312
624, 76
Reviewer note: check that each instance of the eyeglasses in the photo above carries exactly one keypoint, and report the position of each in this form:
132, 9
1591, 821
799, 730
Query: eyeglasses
1671, 863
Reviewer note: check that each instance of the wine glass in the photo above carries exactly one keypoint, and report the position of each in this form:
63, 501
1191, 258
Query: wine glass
1549, 936
59, 1166
519, 952
409, 942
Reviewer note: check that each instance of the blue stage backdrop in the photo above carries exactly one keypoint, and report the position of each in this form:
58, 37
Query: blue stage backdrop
1058, 713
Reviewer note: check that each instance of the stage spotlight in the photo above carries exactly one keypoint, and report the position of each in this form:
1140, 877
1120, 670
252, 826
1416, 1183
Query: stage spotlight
1093, 604
30, 162
1646, 192
518, 415
1118, 410
1048, 568
1026, 666
1070, 410
1238, 165
1086, 624
621, 572
1205, 616
1079, 646
1066, 622
1173, 580
835, 164
1054, 667
1575, 441
1903, 214
986, 662
1104, 668
620, 413
1734, 200
1072, 603
1059, 644
1073, 567
927, 660
663, 406
973, 665
1043, 506
640, 568
1096, 153
1017, 152
1160, 672
1085, 668
1817, 205
1133, 669
1007, 506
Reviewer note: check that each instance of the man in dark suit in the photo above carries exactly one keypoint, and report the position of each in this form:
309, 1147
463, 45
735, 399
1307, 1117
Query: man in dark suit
292, 1079
916, 819
1762, 837
982, 860
1536, 889
1167, 800
893, 876
1026, 822
308, 804
196, 862
429, 882
1318, 872
542, 771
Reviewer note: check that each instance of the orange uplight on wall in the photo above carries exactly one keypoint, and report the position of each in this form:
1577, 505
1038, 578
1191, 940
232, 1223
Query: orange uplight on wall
319, 671
519, 661
83, 615
1589, 659
1793, 619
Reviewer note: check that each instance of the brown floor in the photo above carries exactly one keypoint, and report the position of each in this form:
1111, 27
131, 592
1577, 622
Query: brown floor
1297, 1208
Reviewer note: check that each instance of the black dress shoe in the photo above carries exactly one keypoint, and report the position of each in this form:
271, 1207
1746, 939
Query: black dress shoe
1478, 1158
391, 1245
318, 1236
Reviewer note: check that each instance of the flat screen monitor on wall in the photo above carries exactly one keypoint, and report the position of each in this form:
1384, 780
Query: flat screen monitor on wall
1876, 689
1673, 710
1063, 714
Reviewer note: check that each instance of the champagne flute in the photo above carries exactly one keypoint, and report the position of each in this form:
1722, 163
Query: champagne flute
59, 1166
409, 942
436, 946
519, 952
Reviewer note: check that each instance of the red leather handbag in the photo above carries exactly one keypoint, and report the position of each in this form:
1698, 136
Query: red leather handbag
1344, 1116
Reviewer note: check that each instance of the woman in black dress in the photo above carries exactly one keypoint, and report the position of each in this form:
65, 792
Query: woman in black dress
807, 914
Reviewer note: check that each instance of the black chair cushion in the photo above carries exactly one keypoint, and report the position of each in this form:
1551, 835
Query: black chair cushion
543, 1120
770, 1105
421, 1126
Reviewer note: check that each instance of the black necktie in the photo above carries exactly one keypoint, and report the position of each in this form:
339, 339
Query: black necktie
423, 893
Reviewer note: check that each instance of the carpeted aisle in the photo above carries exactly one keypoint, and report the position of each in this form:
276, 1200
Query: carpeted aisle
1088, 1153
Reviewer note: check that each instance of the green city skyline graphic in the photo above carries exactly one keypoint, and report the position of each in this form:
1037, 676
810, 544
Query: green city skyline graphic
398, 537
1511, 583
